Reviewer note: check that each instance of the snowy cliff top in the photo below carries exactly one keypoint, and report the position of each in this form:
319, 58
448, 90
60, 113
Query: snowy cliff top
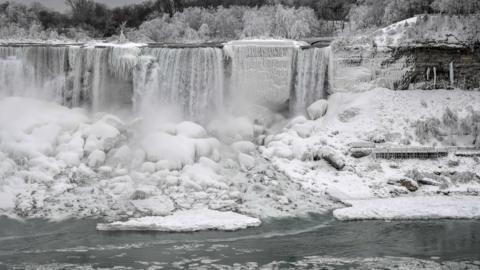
421, 30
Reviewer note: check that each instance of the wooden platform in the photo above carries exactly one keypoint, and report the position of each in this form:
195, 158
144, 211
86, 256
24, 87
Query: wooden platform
423, 152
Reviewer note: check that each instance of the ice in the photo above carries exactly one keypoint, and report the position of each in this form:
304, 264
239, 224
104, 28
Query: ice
162, 146
431, 207
185, 221
317, 109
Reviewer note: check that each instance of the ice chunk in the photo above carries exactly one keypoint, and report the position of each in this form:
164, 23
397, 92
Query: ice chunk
162, 146
317, 109
428, 207
185, 221
191, 130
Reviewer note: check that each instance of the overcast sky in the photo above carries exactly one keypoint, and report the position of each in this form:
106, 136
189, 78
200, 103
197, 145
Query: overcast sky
60, 4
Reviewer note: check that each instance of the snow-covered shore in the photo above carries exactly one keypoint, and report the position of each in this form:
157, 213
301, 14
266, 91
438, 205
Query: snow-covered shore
404, 208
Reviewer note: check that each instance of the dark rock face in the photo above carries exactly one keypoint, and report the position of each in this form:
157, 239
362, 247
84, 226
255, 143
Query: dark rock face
425, 66
430, 67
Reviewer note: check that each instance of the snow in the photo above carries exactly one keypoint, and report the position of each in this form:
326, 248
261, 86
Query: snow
266, 42
185, 221
317, 109
162, 146
431, 207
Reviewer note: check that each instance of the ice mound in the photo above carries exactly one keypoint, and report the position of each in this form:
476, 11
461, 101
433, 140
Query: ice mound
185, 221
432, 207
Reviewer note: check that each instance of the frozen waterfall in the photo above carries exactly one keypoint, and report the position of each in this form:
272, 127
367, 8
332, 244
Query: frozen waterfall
190, 81
36, 72
193, 82
262, 71
312, 81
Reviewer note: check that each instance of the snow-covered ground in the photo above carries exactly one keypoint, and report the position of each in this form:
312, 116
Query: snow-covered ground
423, 207
58, 162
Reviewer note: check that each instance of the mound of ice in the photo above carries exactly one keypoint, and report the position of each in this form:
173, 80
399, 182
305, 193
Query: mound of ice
433, 207
162, 146
185, 221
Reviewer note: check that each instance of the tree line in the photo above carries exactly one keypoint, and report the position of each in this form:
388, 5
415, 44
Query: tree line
171, 20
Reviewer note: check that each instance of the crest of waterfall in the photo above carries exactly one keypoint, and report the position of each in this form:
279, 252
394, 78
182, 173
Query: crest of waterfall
261, 72
312, 78
36, 72
122, 61
190, 80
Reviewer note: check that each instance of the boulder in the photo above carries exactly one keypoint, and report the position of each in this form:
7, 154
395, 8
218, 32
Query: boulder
246, 162
245, 147
191, 130
334, 158
96, 158
409, 184
360, 152
317, 109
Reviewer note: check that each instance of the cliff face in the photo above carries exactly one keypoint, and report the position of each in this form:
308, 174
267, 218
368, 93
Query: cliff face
400, 57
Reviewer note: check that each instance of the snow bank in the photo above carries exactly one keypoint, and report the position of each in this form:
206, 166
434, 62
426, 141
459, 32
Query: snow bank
185, 221
431, 207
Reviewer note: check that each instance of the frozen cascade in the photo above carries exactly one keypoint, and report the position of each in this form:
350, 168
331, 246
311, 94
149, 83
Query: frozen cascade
312, 81
101, 77
36, 72
262, 71
189, 80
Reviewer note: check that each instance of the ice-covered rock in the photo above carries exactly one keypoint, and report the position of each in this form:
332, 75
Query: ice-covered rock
96, 158
185, 221
360, 152
148, 167
247, 162
158, 205
317, 109
191, 130
162, 146
333, 157
203, 176
231, 129
245, 147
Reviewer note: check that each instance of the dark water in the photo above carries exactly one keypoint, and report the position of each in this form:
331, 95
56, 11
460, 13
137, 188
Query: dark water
289, 243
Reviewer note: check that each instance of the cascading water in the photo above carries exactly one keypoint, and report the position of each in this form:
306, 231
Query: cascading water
101, 77
261, 71
37, 72
189, 80
312, 80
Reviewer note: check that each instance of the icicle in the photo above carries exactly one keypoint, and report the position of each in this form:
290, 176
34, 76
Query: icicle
452, 79
428, 74
434, 77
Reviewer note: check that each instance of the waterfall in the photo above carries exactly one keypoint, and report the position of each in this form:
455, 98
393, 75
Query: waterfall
261, 71
101, 77
190, 80
311, 78
36, 72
